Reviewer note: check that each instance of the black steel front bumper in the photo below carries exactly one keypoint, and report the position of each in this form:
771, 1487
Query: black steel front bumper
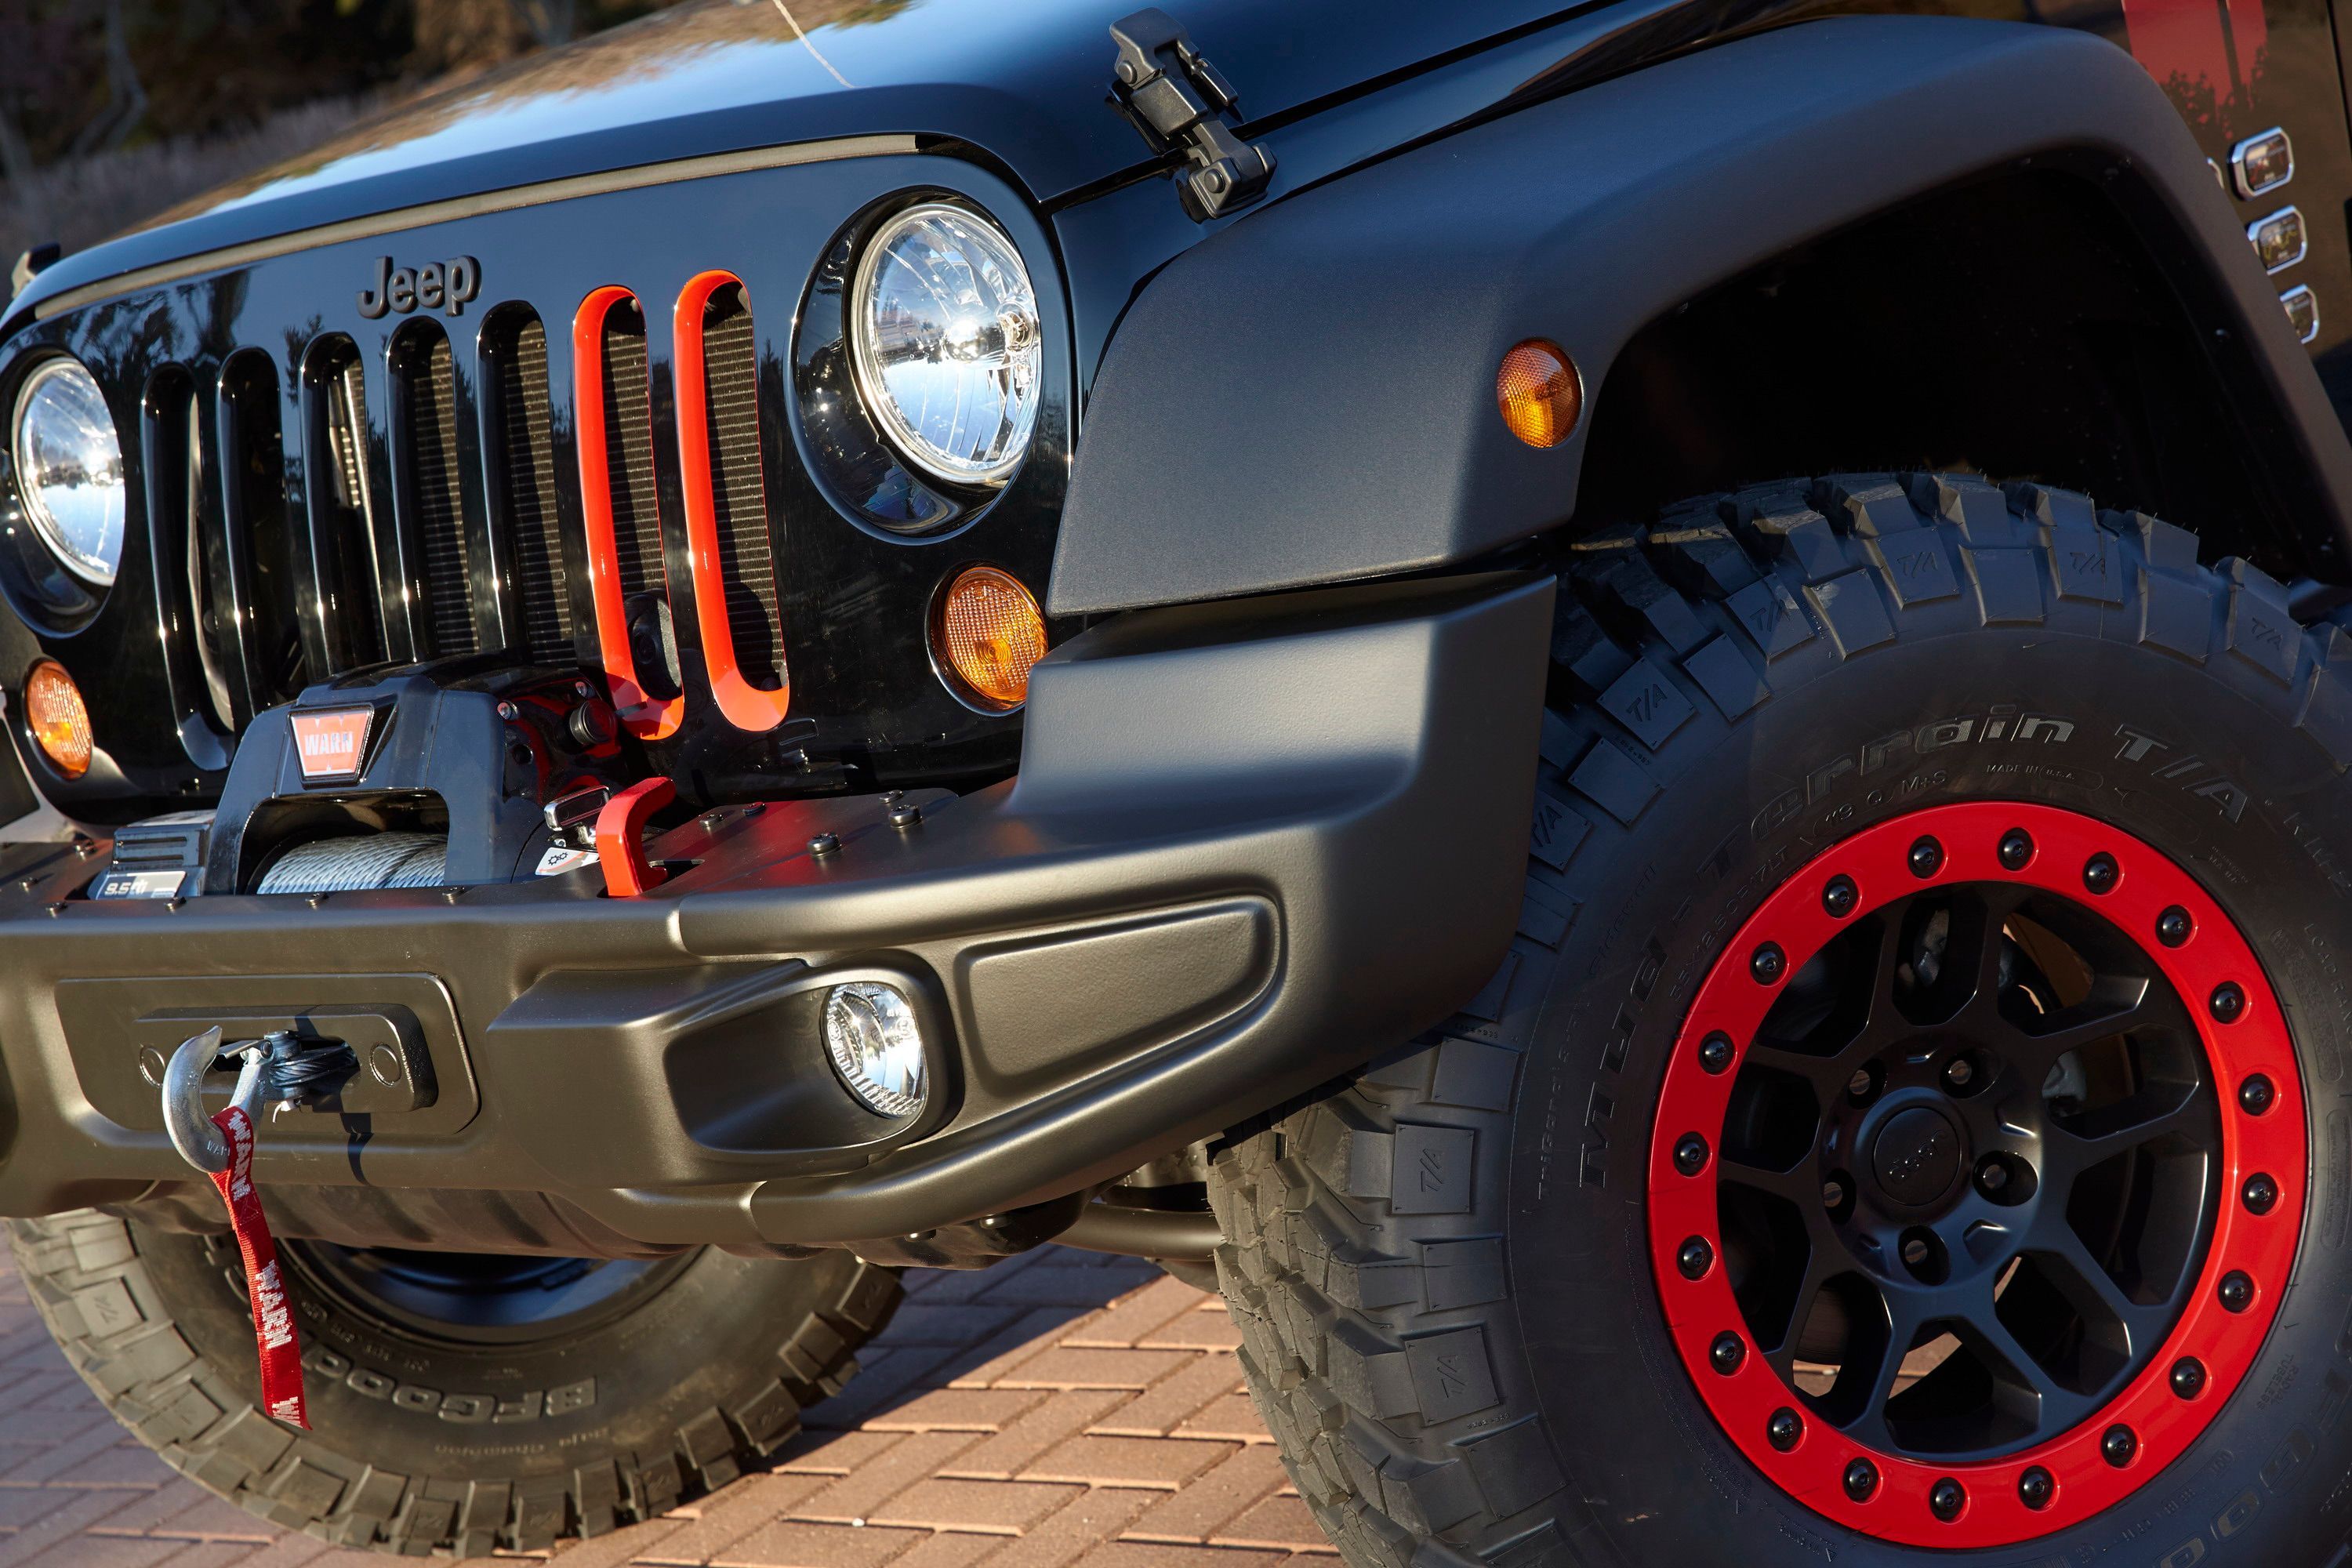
1250, 845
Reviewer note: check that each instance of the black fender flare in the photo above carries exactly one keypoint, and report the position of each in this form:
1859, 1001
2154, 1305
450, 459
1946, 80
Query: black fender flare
1307, 397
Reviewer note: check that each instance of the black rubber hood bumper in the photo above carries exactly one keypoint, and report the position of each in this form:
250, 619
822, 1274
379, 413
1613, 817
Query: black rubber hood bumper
1250, 845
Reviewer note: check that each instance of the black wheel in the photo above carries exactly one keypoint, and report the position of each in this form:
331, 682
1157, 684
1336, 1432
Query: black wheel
458, 1402
1900, 1133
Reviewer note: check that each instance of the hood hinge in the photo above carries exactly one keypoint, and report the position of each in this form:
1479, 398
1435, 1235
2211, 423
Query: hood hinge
1182, 103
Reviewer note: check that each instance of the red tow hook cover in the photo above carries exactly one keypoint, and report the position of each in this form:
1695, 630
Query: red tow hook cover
620, 834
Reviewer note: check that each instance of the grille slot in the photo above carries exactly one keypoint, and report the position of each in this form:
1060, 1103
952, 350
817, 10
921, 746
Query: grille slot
261, 586
525, 484
740, 502
612, 407
434, 496
342, 503
629, 452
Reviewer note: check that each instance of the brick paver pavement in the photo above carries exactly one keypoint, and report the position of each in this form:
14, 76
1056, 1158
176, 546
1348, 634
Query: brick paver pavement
1061, 1410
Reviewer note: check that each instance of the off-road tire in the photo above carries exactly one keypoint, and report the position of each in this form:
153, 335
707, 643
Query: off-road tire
422, 1448
1441, 1272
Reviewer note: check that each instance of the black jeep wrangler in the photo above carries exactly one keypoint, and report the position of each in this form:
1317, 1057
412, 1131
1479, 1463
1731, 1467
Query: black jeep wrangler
801, 641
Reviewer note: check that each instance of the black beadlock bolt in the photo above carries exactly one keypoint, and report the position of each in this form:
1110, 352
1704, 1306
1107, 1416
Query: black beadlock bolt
2173, 927
1783, 1430
1715, 1051
1726, 1355
1768, 963
2118, 1444
1693, 1256
1946, 1499
1926, 858
1840, 896
2016, 849
2189, 1377
2035, 1488
1690, 1153
2261, 1193
2256, 1095
1860, 1480
2227, 1002
2237, 1290
2100, 872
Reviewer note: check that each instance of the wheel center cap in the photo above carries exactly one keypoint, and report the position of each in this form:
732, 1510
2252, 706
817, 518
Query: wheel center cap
1916, 1156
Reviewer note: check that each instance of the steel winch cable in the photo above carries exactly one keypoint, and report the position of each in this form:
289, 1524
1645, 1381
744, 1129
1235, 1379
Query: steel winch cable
358, 864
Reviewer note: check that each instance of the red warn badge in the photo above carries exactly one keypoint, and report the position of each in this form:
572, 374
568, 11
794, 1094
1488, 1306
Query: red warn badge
332, 744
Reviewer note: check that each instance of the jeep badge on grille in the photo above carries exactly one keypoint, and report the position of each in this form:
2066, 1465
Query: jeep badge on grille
435, 286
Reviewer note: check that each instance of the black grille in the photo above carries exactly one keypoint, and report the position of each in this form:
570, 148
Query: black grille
731, 368
527, 470
629, 453
438, 490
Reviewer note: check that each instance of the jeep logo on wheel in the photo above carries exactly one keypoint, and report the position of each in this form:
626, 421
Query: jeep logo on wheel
435, 286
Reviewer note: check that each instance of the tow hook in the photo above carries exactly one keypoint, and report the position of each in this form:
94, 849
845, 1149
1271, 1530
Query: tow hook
280, 1068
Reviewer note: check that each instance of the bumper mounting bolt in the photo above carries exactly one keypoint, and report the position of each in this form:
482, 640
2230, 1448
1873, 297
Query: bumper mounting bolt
2118, 1445
1715, 1051
2015, 849
822, 845
1927, 858
906, 814
2173, 926
1783, 1430
2099, 873
1693, 1257
56, 910
1690, 1153
2035, 1489
510, 713
1727, 1353
2262, 1193
318, 900
1860, 1480
2227, 1002
2237, 1290
2189, 1377
1768, 964
2256, 1095
1840, 896
1946, 1499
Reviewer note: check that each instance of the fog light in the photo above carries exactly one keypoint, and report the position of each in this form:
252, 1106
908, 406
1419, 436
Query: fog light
876, 1046
55, 714
1539, 393
987, 636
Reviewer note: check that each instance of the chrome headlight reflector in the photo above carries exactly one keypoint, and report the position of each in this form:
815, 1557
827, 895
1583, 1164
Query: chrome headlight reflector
944, 336
69, 470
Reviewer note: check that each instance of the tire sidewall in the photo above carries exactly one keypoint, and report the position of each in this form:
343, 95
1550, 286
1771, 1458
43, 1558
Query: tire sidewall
2257, 816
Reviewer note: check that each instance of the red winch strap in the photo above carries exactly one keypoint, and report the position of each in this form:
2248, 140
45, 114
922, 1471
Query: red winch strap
273, 1313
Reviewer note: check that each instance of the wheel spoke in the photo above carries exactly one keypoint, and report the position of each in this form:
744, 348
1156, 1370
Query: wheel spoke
2042, 1400
1827, 1074
2162, 1112
2094, 1291
1798, 1184
2116, 1004
1906, 1313
1822, 1266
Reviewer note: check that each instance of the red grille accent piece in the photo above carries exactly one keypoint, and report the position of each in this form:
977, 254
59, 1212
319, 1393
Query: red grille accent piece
648, 716
746, 706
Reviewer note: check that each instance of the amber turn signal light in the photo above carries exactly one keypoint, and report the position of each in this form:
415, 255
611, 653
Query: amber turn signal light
986, 635
59, 720
1539, 393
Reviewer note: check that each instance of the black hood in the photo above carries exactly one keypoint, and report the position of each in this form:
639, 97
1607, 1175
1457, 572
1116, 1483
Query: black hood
1027, 80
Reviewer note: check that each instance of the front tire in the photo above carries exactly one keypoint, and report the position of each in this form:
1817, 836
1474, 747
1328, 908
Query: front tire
1457, 1320
458, 1404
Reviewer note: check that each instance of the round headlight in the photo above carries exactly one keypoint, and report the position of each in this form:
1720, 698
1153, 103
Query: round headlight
69, 470
944, 335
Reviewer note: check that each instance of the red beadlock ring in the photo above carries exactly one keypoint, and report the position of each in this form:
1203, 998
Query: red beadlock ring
2263, 1246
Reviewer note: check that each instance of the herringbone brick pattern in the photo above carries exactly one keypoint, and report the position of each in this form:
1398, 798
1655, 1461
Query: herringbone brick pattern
1060, 1409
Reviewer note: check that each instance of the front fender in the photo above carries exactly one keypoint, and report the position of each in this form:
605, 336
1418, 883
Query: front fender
1309, 397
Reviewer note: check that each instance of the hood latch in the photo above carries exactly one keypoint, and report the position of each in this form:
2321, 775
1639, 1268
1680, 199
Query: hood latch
1182, 103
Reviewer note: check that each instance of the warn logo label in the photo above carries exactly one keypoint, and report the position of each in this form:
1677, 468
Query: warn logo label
332, 744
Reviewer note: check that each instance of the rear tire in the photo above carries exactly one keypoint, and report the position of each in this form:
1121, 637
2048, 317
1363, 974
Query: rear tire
1444, 1273
441, 1428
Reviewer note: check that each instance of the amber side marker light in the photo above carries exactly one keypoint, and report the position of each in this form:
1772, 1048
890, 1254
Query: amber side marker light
987, 634
1539, 393
59, 720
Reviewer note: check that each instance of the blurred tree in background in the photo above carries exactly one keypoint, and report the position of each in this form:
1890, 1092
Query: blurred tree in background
112, 108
